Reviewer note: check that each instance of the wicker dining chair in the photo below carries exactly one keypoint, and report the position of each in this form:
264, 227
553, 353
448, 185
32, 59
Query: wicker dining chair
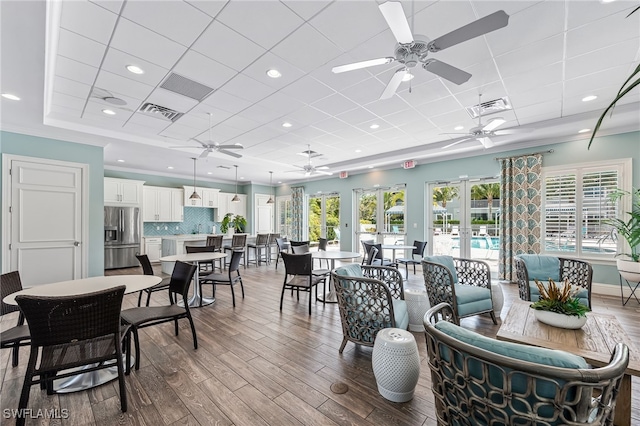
14, 337
69, 332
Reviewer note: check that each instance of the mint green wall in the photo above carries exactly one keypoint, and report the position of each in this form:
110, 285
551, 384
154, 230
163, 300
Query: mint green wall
610, 147
32, 146
173, 182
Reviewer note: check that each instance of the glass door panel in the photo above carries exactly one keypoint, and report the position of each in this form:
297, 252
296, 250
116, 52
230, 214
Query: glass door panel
381, 217
444, 226
485, 226
284, 216
324, 220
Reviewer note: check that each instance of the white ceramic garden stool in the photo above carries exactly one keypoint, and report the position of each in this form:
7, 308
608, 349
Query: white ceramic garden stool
417, 305
498, 298
396, 364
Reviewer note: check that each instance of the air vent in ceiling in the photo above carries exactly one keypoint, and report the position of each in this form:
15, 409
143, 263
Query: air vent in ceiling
183, 86
489, 107
309, 153
160, 111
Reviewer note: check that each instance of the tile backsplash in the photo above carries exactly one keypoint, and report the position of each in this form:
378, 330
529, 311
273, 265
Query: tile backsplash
193, 216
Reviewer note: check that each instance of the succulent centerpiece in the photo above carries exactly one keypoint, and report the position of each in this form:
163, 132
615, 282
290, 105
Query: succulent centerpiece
559, 306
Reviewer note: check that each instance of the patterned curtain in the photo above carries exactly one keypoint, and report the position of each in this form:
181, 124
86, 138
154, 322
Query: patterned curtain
520, 187
297, 213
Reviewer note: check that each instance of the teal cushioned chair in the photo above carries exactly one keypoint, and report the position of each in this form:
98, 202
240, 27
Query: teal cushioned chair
531, 267
465, 284
370, 298
478, 380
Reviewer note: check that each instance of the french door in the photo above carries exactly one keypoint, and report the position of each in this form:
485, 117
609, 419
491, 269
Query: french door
464, 220
284, 215
324, 219
380, 216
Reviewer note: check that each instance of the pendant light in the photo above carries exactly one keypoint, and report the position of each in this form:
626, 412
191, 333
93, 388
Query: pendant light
195, 196
235, 198
270, 200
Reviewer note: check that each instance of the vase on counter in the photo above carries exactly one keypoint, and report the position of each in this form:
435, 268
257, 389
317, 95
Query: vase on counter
230, 232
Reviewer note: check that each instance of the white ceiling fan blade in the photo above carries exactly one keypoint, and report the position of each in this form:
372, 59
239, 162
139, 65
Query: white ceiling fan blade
201, 143
307, 173
185, 146
494, 124
394, 15
456, 143
233, 154
229, 147
475, 29
205, 153
514, 131
446, 71
393, 84
324, 173
486, 141
363, 64
322, 168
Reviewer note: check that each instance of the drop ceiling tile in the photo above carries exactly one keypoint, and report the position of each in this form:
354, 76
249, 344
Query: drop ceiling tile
211, 8
466, 54
536, 95
334, 104
581, 13
248, 18
88, 20
418, 128
179, 131
307, 115
225, 101
176, 20
223, 133
198, 118
93, 112
281, 104
533, 56
247, 88
111, 5
113, 82
260, 114
439, 107
309, 132
140, 130
511, 7
79, 48
306, 9
258, 71
524, 28
423, 93
116, 62
235, 50
539, 112
146, 44
450, 118
574, 104
67, 101
260, 134
154, 122
443, 17
241, 123
348, 134
71, 87
357, 116
336, 22
307, 90
482, 74
204, 70
489, 92
307, 49
533, 78
331, 125
385, 107
368, 90
171, 100
404, 117
602, 33
620, 54
74, 70
582, 86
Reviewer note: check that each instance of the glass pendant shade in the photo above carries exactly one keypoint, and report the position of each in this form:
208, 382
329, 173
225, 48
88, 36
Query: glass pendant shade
270, 200
235, 198
195, 195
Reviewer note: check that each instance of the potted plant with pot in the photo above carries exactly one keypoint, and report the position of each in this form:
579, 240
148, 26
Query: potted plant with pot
233, 223
559, 307
629, 230
239, 223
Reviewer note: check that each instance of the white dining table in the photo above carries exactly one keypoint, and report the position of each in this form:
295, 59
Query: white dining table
394, 247
196, 258
132, 283
330, 296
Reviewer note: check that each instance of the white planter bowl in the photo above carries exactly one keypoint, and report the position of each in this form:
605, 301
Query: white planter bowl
560, 320
629, 270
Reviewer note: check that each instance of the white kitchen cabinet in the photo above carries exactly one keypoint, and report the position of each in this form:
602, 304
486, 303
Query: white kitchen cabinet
122, 191
162, 204
208, 197
153, 248
225, 205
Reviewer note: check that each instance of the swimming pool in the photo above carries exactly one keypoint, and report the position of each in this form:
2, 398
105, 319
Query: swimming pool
487, 243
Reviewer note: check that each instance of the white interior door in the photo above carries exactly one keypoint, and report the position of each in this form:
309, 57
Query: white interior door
263, 214
46, 221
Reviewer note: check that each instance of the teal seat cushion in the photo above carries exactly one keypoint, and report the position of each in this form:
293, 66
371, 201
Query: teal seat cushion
541, 268
400, 314
350, 270
446, 261
472, 299
582, 295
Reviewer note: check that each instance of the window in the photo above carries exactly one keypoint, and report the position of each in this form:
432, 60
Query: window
576, 207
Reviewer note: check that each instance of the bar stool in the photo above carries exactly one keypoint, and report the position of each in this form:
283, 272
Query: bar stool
238, 243
261, 244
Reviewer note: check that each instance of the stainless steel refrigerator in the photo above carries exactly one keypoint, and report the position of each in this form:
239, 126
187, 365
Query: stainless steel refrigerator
121, 236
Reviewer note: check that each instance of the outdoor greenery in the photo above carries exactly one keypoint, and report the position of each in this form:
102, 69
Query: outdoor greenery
442, 195
628, 229
332, 213
486, 191
560, 300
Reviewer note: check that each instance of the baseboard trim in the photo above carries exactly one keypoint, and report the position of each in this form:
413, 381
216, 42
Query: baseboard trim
613, 289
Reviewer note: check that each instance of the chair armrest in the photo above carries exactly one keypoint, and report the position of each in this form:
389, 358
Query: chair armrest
522, 277
441, 312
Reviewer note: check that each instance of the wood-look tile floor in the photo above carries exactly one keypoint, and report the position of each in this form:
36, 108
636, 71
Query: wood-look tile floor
256, 365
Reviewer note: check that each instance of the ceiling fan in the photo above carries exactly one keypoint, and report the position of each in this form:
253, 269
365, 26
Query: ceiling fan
309, 169
411, 51
484, 132
212, 146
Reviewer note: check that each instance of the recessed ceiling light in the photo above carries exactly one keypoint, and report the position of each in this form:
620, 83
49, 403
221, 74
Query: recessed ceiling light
279, 181
241, 177
109, 112
170, 167
135, 69
374, 126
369, 167
358, 150
589, 98
407, 77
274, 73
584, 130
120, 161
607, 1
10, 96
458, 128
286, 124
209, 173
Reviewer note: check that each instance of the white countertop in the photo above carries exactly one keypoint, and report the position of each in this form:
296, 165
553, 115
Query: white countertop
189, 237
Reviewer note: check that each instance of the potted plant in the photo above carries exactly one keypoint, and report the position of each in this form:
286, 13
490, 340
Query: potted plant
239, 223
559, 307
629, 230
226, 226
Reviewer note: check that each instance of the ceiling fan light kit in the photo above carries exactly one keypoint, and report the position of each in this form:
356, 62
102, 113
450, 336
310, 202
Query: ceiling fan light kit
413, 50
212, 146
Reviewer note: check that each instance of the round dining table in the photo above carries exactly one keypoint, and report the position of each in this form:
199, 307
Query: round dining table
330, 296
196, 258
132, 283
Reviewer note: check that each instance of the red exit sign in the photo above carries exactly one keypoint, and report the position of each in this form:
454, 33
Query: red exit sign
409, 164
344, 175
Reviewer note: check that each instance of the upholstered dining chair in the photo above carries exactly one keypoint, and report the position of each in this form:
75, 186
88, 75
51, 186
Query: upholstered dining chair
69, 332
299, 276
148, 316
13, 337
531, 267
147, 269
418, 250
464, 284
230, 278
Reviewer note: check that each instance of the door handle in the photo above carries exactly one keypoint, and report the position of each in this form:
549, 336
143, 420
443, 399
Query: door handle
76, 243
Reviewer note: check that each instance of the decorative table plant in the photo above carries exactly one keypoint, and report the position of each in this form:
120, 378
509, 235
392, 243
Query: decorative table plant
559, 307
